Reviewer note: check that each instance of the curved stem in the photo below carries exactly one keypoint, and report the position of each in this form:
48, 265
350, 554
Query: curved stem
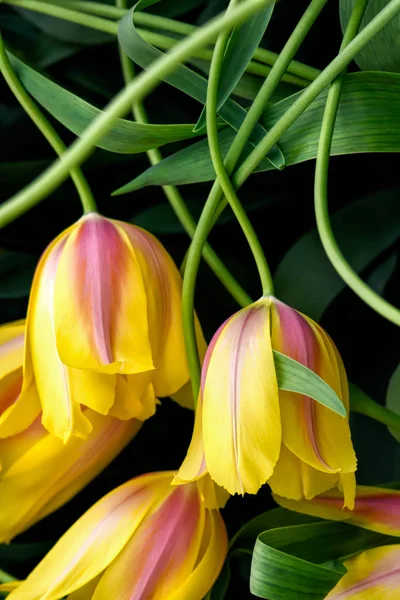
324, 226
32, 110
138, 89
175, 199
269, 86
364, 405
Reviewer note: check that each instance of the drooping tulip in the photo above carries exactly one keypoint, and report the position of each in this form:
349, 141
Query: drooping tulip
377, 509
104, 325
373, 575
38, 472
145, 540
247, 432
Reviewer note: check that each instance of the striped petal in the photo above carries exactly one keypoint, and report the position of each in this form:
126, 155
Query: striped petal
377, 509
241, 417
162, 553
40, 473
321, 438
293, 478
100, 305
163, 284
94, 541
373, 574
62, 414
11, 346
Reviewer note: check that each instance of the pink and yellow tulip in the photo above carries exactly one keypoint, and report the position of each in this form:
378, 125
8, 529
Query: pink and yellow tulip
38, 472
247, 432
373, 575
377, 509
146, 540
104, 326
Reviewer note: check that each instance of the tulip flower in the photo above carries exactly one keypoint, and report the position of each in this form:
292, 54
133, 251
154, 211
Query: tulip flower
104, 326
377, 509
145, 540
38, 473
373, 574
247, 432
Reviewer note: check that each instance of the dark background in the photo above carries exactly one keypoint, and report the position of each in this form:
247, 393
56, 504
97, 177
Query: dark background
366, 341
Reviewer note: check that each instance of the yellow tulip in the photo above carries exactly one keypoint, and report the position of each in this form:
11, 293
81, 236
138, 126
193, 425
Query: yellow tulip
104, 326
146, 540
39, 473
247, 432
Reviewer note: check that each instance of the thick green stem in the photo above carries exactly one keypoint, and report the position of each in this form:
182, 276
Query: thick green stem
138, 89
175, 199
32, 110
324, 226
364, 405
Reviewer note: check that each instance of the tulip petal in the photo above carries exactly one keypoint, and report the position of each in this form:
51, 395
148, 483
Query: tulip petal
213, 495
134, 397
94, 541
377, 509
162, 553
241, 417
41, 474
11, 346
194, 464
215, 546
293, 478
184, 396
163, 284
100, 306
62, 415
373, 574
20, 414
321, 437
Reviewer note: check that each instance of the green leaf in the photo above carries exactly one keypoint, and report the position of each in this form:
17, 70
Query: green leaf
295, 377
382, 53
393, 398
369, 107
16, 273
185, 79
358, 237
240, 50
126, 137
288, 562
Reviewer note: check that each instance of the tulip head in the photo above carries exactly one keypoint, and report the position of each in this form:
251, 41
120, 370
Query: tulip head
104, 325
248, 432
145, 540
38, 472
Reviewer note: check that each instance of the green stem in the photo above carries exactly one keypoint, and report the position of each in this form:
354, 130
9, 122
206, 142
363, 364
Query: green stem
175, 199
328, 240
364, 405
64, 10
315, 88
32, 110
138, 89
6, 577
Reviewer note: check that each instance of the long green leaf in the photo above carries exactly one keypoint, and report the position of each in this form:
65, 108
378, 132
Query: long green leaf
183, 78
382, 53
364, 229
369, 107
126, 137
393, 398
240, 50
295, 377
303, 562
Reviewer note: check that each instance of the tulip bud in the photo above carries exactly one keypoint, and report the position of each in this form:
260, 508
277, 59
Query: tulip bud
104, 325
145, 540
248, 432
38, 472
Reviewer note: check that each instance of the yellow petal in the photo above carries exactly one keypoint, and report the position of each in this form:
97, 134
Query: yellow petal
94, 541
293, 478
194, 464
213, 495
11, 346
163, 284
40, 473
373, 575
100, 304
184, 396
19, 415
134, 397
241, 417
